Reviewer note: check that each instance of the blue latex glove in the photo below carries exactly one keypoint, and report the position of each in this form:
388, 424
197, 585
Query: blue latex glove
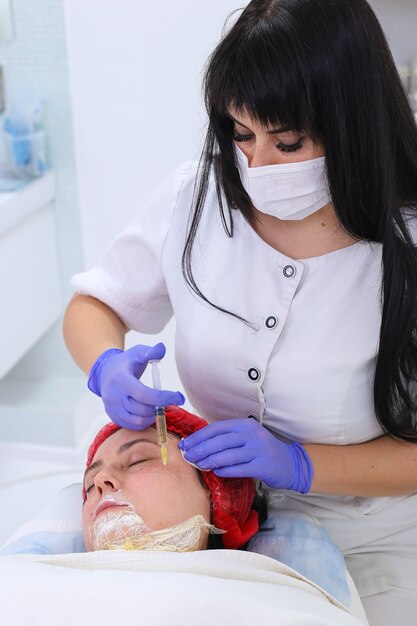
128, 402
240, 448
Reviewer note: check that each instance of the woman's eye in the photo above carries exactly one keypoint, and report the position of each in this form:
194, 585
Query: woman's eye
88, 489
238, 137
284, 147
137, 462
289, 148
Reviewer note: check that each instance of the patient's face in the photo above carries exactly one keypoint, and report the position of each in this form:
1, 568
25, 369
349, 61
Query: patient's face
163, 496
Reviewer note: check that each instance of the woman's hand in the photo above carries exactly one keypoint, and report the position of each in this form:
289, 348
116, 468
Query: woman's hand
128, 402
243, 448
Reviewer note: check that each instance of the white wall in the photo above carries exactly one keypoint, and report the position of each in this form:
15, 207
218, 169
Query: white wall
399, 20
135, 77
135, 72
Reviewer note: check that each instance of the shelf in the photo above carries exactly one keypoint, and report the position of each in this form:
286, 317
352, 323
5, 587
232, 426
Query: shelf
17, 205
29, 268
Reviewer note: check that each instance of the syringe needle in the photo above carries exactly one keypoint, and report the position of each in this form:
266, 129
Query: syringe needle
161, 426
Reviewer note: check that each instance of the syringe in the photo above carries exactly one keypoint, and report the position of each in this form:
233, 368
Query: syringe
161, 425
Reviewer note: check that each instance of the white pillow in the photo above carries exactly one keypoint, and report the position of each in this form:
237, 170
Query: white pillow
57, 529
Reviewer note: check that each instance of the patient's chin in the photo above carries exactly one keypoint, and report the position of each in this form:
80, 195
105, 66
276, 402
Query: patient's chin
115, 529
124, 529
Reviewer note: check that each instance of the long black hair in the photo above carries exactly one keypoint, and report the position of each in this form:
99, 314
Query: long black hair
324, 67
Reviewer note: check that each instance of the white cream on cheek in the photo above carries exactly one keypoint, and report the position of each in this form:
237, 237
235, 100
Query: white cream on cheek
120, 527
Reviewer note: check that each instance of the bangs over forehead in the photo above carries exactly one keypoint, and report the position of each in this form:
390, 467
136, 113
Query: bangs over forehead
264, 72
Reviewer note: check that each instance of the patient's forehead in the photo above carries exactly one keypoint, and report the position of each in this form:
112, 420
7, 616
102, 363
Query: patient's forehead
123, 435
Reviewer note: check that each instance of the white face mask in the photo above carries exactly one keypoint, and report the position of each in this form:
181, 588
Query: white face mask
290, 192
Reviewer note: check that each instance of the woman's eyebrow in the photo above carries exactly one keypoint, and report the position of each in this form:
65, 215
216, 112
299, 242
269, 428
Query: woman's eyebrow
123, 448
129, 444
270, 132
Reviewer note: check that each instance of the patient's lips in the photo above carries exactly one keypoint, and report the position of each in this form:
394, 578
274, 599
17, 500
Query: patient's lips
107, 503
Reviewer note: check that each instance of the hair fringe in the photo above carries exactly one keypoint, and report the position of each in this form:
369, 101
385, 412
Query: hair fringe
325, 67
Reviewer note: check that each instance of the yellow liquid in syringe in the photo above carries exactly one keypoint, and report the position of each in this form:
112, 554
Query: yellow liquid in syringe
161, 433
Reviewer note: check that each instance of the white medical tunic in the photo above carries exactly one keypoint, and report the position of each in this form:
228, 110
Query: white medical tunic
304, 368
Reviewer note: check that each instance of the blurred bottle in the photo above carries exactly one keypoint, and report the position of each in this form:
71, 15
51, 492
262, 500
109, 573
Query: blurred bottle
24, 134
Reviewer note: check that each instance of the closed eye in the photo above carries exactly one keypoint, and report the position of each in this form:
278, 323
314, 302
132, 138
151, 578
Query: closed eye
284, 147
137, 462
238, 137
88, 489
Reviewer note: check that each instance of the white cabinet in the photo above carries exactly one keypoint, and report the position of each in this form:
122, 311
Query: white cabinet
30, 292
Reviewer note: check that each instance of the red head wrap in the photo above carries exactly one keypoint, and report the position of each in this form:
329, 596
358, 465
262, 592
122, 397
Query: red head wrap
231, 497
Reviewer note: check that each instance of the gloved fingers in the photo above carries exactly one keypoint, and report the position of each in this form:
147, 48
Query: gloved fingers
133, 407
143, 354
227, 458
245, 470
222, 427
152, 397
213, 446
132, 422
126, 419
139, 358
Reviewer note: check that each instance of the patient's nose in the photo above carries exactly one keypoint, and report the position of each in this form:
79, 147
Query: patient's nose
106, 482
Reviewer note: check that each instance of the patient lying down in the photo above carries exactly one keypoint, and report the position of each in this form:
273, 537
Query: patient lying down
133, 502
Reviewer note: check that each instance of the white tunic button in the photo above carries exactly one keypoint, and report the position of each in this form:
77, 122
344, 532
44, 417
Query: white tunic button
254, 374
271, 321
289, 271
